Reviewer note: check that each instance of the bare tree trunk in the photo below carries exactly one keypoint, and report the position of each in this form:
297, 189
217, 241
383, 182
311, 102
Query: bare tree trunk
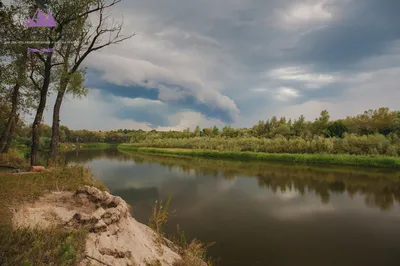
13, 126
55, 129
40, 111
14, 103
55, 137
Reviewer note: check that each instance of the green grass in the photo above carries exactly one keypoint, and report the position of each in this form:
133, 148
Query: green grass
40, 247
336, 159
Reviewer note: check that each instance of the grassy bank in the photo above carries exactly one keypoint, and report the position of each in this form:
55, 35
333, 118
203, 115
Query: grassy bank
40, 247
83, 146
335, 159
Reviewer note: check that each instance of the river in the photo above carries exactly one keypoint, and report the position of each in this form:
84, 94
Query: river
262, 213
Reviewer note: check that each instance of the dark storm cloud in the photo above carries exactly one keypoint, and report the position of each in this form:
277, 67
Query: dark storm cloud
157, 115
366, 29
240, 41
142, 115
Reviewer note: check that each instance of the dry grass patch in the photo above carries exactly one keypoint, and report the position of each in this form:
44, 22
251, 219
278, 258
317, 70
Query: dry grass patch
33, 246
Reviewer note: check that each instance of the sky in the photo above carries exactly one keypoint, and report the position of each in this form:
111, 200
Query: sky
234, 62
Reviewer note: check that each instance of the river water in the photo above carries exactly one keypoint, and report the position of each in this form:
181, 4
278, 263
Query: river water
262, 213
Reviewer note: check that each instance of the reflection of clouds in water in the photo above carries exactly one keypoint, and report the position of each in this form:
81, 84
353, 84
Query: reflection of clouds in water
227, 184
179, 172
263, 194
302, 210
287, 195
216, 185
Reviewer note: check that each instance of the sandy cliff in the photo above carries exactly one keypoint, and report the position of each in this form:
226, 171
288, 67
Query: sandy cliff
115, 237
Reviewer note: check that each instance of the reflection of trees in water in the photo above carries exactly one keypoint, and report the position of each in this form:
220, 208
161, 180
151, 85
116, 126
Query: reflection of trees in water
85, 156
380, 187
377, 193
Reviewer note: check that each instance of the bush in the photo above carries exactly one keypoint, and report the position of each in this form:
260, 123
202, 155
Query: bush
13, 158
350, 144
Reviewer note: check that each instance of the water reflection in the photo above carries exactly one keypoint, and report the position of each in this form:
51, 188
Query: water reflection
263, 214
379, 187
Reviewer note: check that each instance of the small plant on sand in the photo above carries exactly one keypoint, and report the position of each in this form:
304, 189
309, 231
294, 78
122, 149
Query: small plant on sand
159, 216
193, 253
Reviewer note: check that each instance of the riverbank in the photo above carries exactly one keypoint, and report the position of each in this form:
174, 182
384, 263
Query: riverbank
328, 159
63, 216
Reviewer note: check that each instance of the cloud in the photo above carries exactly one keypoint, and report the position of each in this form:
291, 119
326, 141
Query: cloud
308, 79
174, 80
306, 12
188, 119
240, 61
140, 102
286, 94
92, 112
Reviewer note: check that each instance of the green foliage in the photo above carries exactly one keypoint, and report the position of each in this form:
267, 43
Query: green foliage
321, 158
52, 246
349, 144
76, 84
336, 129
67, 252
14, 158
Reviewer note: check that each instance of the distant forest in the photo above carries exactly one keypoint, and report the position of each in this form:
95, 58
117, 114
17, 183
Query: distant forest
375, 131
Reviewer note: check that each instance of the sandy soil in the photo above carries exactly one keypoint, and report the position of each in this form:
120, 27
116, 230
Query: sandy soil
115, 237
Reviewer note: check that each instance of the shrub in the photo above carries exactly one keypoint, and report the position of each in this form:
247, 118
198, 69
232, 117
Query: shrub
350, 144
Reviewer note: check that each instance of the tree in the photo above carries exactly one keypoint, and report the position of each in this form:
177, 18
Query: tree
13, 70
336, 129
283, 130
74, 55
228, 131
299, 126
321, 124
207, 132
65, 13
396, 124
197, 131
259, 129
215, 131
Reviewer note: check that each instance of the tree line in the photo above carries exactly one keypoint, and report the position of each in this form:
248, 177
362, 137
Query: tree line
373, 132
27, 78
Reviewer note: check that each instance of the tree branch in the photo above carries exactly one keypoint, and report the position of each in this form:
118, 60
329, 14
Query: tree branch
33, 80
